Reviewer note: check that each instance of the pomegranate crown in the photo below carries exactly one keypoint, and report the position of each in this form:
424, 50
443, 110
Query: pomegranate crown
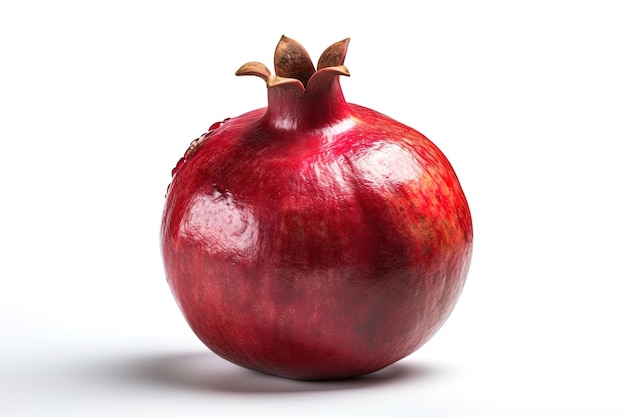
293, 64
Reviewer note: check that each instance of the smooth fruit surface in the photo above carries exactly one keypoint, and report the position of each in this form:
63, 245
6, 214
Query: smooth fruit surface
315, 241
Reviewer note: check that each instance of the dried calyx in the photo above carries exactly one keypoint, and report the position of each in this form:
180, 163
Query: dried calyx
293, 64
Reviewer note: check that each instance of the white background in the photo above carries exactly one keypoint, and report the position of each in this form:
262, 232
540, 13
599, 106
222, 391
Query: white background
98, 100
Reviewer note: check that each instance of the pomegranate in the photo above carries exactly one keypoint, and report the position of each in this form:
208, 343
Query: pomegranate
314, 239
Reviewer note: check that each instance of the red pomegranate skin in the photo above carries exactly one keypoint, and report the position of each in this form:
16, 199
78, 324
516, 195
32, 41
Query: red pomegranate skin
315, 247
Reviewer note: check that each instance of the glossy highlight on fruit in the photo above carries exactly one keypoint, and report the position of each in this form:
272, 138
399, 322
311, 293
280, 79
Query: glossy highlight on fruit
314, 238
